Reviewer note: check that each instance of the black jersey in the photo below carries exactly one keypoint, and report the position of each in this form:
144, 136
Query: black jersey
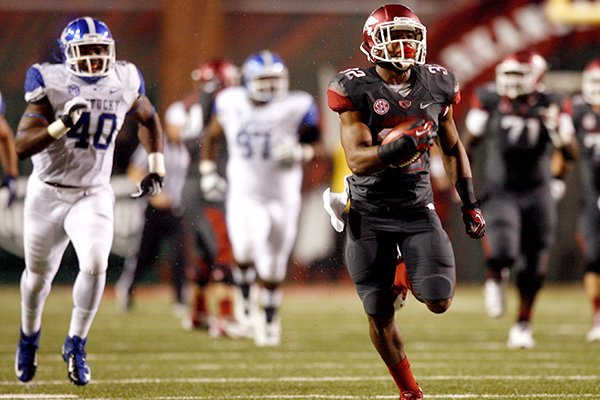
427, 94
518, 141
587, 127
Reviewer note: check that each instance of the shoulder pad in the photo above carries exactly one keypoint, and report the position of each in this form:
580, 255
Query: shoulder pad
440, 81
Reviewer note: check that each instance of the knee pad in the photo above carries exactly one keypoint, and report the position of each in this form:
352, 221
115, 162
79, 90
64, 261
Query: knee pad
95, 261
378, 303
434, 288
94, 268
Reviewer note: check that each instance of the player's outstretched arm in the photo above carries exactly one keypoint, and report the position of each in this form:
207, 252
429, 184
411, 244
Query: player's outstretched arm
151, 137
458, 170
150, 133
213, 185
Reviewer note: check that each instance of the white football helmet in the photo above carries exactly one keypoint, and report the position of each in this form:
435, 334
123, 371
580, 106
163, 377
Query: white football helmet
520, 74
265, 76
87, 31
591, 82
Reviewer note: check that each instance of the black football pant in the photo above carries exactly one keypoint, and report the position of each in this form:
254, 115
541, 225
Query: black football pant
162, 225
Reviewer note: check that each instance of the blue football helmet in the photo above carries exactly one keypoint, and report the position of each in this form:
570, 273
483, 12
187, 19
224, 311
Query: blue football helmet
265, 76
82, 32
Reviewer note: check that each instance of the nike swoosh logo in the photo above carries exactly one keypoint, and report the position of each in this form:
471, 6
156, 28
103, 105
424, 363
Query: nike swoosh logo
425, 105
111, 91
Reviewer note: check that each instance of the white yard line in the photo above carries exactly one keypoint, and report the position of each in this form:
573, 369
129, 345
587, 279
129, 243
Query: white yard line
316, 379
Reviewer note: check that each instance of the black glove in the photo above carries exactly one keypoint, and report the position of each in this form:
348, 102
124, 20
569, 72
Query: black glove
73, 110
151, 185
406, 143
473, 219
9, 182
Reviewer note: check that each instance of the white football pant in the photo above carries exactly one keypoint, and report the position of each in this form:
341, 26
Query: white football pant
263, 232
53, 216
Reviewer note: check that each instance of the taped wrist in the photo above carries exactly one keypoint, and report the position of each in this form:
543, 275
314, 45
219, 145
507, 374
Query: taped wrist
206, 167
59, 128
395, 152
464, 188
156, 163
308, 153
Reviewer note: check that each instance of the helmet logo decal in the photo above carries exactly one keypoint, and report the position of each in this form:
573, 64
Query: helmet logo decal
74, 90
369, 24
381, 106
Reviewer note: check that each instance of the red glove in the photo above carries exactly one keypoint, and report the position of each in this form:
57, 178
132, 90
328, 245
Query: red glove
473, 219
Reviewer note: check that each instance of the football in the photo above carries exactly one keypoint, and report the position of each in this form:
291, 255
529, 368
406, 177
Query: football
419, 128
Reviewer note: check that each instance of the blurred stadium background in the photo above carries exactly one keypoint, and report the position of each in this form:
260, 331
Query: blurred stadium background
316, 38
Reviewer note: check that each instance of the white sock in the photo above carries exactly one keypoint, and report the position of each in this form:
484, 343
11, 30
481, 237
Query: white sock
87, 293
34, 291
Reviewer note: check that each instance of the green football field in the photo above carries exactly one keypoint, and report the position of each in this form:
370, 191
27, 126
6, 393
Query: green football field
325, 354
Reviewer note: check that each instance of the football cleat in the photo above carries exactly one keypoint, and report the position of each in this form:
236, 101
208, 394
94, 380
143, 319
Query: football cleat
267, 334
494, 293
520, 336
594, 334
73, 352
412, 395
245, 310
26, 357
219, 327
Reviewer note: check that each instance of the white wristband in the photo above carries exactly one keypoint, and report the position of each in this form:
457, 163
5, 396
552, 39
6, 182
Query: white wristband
308, 153
156, 163
57, 129
207, 167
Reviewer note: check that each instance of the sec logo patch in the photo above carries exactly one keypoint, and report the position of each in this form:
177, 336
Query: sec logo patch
381, 106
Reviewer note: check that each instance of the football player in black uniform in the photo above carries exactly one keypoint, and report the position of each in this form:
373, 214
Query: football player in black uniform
524, 126
205, 216
586, 117
391, 201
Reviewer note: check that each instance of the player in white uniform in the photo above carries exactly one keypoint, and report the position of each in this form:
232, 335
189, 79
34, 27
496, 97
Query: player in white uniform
269, 132
8, 158
74, 113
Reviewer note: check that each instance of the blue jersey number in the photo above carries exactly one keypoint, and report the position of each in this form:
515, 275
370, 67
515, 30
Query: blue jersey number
254, 143
101, 140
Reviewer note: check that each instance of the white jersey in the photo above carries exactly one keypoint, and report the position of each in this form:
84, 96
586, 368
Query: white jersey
251, 132
190, 121
84, 156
